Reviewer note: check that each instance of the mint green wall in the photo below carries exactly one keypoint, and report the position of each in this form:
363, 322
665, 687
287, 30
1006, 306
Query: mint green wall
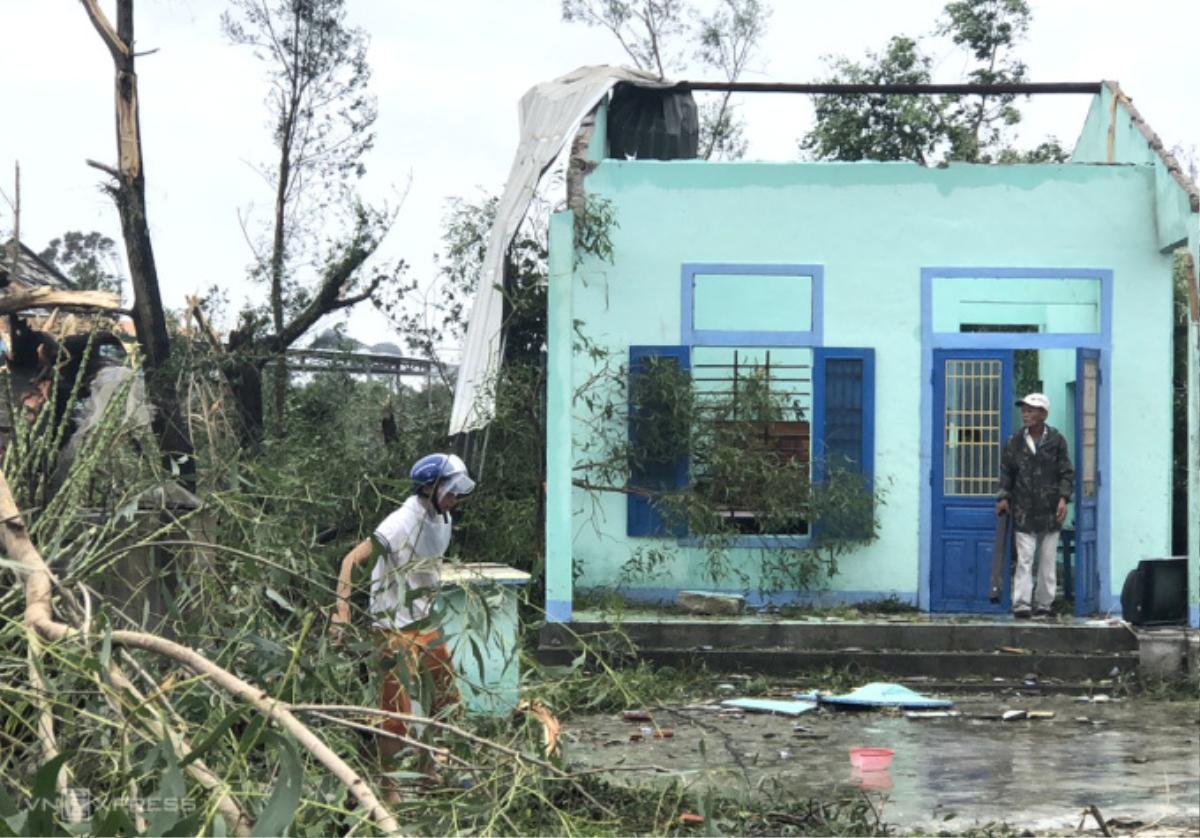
1054, 306
1110, 125
873, 226
765, 303
559, 387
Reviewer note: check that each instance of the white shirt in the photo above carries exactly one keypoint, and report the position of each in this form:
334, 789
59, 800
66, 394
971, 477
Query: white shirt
414, 542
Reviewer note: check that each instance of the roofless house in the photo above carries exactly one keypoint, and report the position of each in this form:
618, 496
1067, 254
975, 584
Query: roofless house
906, 305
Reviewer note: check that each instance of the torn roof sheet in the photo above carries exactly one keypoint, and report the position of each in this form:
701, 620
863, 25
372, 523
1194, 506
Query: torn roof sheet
550, 113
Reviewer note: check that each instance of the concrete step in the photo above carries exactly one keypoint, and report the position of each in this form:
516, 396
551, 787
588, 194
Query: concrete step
865, 637
904, 664
1064, 653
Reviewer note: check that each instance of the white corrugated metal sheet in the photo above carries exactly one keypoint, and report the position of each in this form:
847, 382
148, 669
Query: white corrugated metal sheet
550, 114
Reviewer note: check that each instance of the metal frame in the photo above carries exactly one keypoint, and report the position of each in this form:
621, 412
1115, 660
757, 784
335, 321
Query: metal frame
1021, 88
331, 360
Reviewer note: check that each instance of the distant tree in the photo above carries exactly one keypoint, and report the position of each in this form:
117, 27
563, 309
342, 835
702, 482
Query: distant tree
646, 29
931, 129
728, 39
322, 119
989, 30
659, 35
87, 259
879, 126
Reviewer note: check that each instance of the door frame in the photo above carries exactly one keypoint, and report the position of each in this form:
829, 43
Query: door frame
931, 340
1082, 603
937, 419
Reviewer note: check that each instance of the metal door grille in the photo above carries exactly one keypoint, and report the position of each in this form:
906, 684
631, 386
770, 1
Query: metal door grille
1088, 448
971, 428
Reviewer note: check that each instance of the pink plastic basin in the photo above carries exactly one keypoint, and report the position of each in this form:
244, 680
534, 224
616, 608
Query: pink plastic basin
871, 759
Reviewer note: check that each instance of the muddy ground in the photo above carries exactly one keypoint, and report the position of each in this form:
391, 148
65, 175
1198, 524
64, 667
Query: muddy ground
1136, 760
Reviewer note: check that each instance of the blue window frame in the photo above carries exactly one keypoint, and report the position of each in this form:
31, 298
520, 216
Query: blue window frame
843, 433
807, 314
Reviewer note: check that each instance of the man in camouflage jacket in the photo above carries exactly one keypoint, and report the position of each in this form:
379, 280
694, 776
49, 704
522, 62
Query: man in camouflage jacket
1036, 484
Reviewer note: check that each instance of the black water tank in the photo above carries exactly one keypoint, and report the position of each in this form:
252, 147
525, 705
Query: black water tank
652, 124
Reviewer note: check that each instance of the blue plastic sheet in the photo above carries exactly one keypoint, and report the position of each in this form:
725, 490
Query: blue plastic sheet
767, 705
882, 694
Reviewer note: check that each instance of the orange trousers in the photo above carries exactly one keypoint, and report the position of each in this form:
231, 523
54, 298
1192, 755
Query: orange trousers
419, 652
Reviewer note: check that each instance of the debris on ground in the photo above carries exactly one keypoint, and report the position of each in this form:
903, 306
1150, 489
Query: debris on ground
967, 764
767, 705
883, 694
708, 602
931, 714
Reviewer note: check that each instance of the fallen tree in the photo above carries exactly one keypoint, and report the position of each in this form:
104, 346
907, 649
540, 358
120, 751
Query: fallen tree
39, 620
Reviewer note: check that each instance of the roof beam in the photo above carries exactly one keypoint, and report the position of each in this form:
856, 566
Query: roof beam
1025, 89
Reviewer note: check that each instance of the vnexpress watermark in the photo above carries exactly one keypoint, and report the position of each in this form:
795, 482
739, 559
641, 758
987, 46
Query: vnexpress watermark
78, 804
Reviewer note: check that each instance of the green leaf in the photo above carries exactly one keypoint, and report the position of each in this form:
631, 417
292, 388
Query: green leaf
13, 824
281, 807
211, 739
114, 822
278, 599
169, 800
44, 805
478, 655
251, 735
8, 806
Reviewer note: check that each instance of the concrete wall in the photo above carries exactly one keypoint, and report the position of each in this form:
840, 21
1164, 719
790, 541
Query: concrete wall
873, 227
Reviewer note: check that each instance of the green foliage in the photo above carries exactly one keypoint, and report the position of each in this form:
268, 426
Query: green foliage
878, 126
741, 481
88, 259
933, 129
593, 229
989, 31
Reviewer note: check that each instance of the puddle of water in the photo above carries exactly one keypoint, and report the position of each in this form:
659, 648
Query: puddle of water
1130, 759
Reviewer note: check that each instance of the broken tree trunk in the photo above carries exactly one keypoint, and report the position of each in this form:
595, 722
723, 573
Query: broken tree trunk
129, 193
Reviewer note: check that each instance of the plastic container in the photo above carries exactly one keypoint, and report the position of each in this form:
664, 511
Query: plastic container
871, 759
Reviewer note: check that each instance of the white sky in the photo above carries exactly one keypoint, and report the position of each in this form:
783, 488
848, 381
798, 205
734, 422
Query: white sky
448, 76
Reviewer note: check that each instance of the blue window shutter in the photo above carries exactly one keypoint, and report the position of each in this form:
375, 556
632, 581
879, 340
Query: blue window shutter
844, 418
844, 410
643, 517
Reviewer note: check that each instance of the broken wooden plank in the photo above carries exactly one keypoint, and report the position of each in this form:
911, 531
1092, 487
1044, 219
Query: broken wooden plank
49, 297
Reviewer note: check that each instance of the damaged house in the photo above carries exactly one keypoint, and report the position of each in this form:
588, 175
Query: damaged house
898, 309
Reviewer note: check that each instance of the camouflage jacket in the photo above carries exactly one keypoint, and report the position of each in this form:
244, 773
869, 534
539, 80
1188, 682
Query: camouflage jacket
1033, 483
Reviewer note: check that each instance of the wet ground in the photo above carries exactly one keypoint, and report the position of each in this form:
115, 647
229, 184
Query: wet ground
1136, 760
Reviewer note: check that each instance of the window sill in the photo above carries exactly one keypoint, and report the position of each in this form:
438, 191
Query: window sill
756, 542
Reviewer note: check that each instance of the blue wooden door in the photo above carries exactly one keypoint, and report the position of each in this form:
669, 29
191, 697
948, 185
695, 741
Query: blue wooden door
1087, 480
972, 416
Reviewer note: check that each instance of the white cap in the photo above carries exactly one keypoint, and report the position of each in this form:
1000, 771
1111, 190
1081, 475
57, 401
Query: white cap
1035, 400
